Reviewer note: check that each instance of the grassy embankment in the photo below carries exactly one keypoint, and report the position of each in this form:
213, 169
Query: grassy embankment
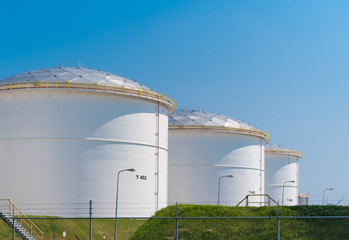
78, 229
247, 228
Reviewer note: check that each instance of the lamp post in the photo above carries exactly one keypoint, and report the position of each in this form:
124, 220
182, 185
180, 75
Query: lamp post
117, 191
283, 189
219, 184
64, 233
323, 195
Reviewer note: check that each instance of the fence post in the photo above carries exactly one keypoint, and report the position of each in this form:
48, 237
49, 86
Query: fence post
278, 223
13, 223
90, 219
176, 221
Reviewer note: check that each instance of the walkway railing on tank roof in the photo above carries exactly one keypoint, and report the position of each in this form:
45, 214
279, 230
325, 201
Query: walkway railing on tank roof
285, 152
88, 86
245, 131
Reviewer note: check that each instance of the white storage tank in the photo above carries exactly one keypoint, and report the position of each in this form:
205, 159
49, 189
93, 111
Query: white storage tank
303, 199
281, 174
66, 132
203, 147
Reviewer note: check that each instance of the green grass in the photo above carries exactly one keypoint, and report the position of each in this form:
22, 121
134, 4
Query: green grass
79, 228
246, 228
6, 231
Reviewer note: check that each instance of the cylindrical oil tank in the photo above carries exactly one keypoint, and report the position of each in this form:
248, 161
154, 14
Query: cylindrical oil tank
303, 199
66, 132
205, 149
281, 174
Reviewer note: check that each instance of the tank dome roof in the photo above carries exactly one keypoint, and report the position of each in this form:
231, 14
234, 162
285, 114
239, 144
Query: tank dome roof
273, 146
197, 119
269, 148
71, 74
82, 79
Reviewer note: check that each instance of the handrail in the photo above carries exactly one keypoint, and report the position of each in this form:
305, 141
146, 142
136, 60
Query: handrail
245, 131
257, 195
88, 86
284, 152
29, 226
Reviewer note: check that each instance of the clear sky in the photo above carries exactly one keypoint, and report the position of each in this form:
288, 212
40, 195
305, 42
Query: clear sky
281, 66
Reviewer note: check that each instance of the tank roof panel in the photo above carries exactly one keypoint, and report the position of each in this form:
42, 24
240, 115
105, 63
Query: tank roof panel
201, 118
274, 146
76, 75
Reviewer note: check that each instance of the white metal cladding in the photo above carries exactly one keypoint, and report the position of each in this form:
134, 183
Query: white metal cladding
67, 147
198, 157
281, 165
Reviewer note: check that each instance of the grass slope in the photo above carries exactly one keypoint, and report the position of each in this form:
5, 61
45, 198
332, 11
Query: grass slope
246, 228
6, 231
78, 229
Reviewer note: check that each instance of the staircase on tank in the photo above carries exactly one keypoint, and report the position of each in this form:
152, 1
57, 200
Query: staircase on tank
20, 230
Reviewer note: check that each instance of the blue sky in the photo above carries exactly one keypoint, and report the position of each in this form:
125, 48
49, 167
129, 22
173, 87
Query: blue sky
281, 66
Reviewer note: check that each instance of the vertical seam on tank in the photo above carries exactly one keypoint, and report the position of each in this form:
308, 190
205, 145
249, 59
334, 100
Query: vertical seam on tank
261, 166
297, 181
158, 157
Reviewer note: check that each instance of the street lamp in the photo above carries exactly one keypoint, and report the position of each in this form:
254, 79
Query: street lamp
117, 191
323, 195
283, 189
219, 184
64, 233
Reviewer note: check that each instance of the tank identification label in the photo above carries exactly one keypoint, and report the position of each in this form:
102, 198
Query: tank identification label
141, 177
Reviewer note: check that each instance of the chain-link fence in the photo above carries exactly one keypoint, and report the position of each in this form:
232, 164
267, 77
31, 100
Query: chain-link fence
272, 223
186, 228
